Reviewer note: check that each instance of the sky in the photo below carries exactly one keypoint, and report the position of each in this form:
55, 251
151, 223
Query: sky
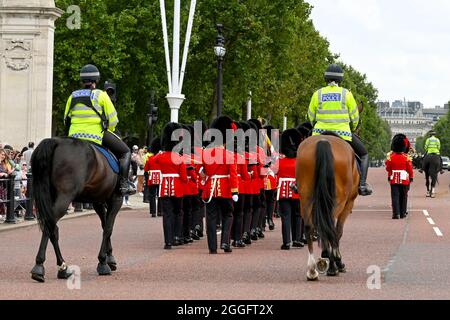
403, 46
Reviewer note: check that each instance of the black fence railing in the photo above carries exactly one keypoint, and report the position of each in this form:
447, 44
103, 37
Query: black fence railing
12, 201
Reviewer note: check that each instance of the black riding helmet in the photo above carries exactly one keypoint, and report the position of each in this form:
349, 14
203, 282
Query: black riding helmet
334, 73
90, 74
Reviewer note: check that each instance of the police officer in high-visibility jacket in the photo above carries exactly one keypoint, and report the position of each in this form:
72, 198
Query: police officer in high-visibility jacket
334, 109
90, 115
433, 146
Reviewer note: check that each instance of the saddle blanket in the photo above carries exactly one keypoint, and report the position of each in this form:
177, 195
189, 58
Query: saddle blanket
112, 160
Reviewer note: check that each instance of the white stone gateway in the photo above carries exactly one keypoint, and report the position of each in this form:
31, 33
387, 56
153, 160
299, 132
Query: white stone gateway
26, 70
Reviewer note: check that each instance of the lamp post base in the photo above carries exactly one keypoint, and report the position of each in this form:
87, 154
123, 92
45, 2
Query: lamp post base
175, 101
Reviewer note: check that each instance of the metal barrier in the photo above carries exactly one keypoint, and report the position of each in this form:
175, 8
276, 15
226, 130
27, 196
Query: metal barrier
11, 202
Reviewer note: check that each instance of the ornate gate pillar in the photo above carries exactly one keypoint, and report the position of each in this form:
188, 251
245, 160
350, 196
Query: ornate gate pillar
26, 70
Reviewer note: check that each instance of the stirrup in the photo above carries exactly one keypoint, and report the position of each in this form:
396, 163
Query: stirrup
365, 190
127, 189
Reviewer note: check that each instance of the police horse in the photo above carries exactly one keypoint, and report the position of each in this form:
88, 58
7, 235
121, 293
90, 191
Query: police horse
431, 165
67, 170
328, 180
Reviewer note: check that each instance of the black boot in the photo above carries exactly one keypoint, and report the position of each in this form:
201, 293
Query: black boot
125, 186
364, 187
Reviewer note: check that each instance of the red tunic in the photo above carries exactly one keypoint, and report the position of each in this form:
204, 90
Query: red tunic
254, 167
221, 174
198, 158
286, 179
400, 169
173, 173
191, 188
154, 173
243, 175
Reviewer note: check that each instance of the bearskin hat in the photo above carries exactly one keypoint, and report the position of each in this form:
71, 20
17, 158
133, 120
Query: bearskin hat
223, 123
400, 143
256, 122
305, 132
166, 140
155, 145
290, 141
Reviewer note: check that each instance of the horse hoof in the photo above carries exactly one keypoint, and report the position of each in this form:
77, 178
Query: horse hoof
104, 270
38, 273
323, 265
64, 274
111, 261
312, 276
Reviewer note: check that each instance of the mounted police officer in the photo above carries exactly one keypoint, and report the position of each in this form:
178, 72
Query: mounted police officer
334, 109
433, 146
90, 115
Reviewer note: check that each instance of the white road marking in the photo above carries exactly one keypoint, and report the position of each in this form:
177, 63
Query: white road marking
425, 212
438, 232
430, 221
377, 210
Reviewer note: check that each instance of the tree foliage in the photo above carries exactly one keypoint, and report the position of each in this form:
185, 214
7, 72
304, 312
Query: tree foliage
273, 50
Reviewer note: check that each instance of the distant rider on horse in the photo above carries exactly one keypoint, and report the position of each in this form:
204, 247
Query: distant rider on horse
90, 115
334, 109
433, 146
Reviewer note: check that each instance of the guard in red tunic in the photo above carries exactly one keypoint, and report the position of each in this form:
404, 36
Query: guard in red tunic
270, 180
400, 175
259, 199
289, 201
173, 179
199, 212
221, 187
190, 200
154, 177
243, 178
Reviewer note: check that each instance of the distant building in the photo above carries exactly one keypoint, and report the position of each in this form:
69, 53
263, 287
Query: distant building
437, 113
408, 118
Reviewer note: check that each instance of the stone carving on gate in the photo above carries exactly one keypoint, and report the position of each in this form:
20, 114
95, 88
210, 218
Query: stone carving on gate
18, 54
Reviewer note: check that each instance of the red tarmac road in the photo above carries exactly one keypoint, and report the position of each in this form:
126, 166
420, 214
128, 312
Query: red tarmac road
413, 259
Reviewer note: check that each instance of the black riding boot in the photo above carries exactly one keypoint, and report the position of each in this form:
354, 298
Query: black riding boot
126, 187
364, 187
442, 166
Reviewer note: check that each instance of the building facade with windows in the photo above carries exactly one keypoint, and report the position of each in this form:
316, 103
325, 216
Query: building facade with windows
410, 117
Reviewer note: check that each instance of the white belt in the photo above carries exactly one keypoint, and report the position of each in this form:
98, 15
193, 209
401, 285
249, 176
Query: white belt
213, 185
170, 175
280, 183
155, 171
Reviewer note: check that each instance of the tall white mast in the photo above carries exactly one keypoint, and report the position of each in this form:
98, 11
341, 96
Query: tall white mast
175, 78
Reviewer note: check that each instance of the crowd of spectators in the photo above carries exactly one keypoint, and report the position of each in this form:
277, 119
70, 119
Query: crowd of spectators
16, 163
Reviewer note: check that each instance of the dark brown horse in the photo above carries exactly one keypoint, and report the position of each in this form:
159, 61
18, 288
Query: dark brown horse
328, 179
67, 170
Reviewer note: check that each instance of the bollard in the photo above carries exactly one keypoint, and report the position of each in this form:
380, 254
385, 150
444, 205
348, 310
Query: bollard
10, 215
30, 199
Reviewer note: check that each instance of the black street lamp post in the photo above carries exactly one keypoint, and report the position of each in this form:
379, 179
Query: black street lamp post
220, 51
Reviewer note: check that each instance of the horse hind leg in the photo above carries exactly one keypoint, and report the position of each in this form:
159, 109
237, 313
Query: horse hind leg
107, 262
311, 274
63, 270
60, 209
38, 271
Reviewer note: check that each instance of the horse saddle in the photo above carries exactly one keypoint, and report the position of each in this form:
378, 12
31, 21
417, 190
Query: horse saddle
357, 158
111, 158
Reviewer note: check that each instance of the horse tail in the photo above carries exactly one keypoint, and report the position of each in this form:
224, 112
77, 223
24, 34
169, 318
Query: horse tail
324, 195
41, 167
